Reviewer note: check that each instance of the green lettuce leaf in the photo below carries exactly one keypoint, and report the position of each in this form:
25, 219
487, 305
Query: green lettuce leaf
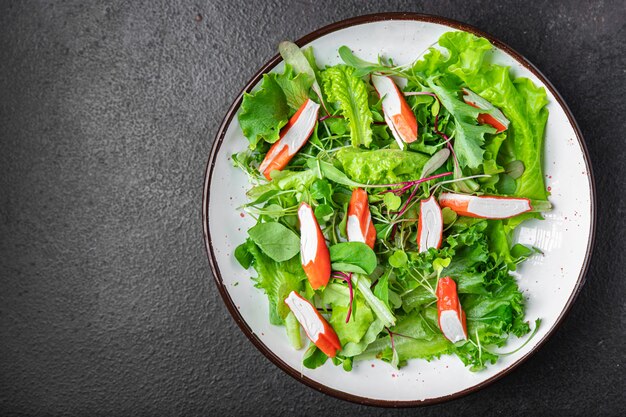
523, 103
341, 86
415, 336
382, 166
360, 320
284, 180
264, 112
469, 137
295, 87
276, 279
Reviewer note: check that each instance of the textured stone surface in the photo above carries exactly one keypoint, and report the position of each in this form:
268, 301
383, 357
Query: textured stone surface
107, 114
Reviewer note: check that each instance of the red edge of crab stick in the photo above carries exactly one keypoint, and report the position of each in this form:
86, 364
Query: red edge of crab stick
314, 253
317, 329
292, 137
485, 207
452, 320
360, 227
496, 119
429, 225
397, 112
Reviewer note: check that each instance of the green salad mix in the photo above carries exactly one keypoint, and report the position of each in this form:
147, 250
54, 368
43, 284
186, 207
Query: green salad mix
459, 129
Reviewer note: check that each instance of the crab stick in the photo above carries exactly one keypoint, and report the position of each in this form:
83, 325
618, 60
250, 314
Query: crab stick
317, 329
452, 320
292, 137
313, 250
398, 114
495, 117
485, 207
360, 227
429, 225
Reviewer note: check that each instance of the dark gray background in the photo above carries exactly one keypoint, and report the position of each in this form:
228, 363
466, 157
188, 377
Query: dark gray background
107, 115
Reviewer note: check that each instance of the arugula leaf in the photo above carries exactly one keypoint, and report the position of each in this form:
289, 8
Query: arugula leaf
275, 240
352, 257
361, 66
264, 112
341, 86
469, 137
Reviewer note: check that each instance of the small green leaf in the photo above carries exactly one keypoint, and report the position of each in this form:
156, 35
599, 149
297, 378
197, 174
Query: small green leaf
321, 189
263, 198
506, 185
275, 240
295, 87
343, 224
381, 290
439, 264
323, 213
398, 259
243, 255
353, 257
449, 216
435, 108
313, 357
392, 201
515, 169
521, 251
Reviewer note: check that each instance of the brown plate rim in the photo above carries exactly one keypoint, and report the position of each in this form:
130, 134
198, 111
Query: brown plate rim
219, 138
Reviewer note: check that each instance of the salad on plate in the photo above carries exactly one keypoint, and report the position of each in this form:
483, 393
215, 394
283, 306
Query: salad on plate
385, 200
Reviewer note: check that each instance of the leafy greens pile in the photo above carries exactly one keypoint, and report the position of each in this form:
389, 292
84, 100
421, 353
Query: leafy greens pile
393, 314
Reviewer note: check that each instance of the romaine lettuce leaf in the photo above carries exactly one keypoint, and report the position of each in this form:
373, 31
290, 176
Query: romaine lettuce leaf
341, 86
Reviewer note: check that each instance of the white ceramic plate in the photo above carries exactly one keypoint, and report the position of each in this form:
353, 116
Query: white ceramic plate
551, 282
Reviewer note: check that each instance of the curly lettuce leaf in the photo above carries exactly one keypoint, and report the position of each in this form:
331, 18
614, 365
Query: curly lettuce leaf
295, 87
382, 166
264, 112
277, 279
415, 336
523, 103
349, 92
360, 319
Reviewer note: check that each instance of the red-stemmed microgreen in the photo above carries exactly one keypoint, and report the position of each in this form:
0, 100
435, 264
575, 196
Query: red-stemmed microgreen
348, 279
406, 185
330, 116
